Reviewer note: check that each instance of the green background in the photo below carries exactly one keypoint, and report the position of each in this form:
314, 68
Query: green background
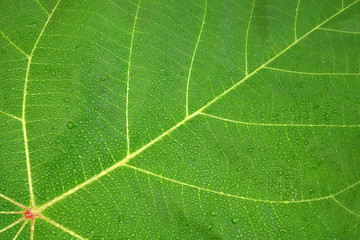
269, 149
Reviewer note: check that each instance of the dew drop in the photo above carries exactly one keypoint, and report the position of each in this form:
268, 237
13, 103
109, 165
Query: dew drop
235, 220
70, 125
213, 214
250, 150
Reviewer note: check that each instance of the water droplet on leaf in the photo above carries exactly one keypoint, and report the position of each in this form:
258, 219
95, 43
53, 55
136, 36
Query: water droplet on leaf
235, 220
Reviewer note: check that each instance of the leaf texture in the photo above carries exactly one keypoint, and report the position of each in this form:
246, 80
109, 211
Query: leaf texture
154, 119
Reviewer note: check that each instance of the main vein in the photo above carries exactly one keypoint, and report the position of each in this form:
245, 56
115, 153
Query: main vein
128, 80
186, 119
23, 118
192, 61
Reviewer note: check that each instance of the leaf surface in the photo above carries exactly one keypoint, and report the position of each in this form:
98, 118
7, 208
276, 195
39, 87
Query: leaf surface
154, 119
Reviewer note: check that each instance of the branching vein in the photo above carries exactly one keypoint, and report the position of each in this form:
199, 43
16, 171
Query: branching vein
42, 7
279, 124
347, 209
296, 17
313, 73
10, 115
12, 201
247, 38
337, 30
199, 111
11, 225
72, 233
240, 197
12, 43
128, 80
22, 227
24, 106
193, 58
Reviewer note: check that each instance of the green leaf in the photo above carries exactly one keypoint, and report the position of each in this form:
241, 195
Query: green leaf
181, 119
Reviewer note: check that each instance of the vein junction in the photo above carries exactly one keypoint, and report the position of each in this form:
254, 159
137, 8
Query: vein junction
23, 118
31, 213
200, 111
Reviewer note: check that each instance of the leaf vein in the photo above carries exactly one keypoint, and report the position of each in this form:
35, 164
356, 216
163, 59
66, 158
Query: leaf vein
192, 60
128, 80
199, 111
278, 124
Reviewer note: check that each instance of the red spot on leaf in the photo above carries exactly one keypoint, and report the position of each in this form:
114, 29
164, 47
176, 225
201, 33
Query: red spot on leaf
29, 215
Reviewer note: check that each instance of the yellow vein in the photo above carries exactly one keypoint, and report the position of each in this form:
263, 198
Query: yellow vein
132, 155
192, 60
32, 229
24, 104
312, 73
296, 17
345, 189
11, 225
12, 43
247, 37
231, 195
336, 30
128, 80
12, 201
10, 115
278, 124
62, 227
22, 227
11, 212
115, 166
37, 1
347, 209
272, 59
